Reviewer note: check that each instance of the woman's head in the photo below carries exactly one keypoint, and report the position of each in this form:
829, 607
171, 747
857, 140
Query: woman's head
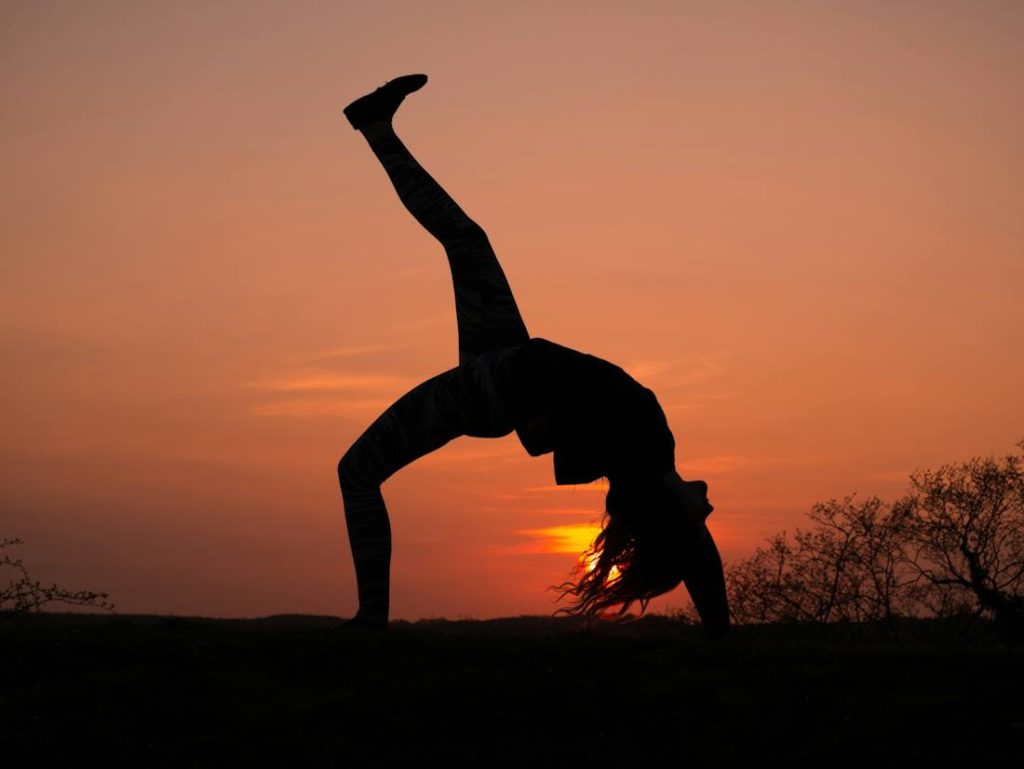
637, 555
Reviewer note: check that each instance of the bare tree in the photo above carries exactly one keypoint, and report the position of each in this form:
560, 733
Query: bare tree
849, 566
865, 545
761, 588
965, 524
23, 594
952, 548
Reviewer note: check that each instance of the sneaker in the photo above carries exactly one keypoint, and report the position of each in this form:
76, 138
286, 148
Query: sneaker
359, 626
380, 105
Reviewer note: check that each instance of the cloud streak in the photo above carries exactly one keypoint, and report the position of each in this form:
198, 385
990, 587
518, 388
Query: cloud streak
680, 371
299, 407
318, 392
566, 538
330, 382
350, 351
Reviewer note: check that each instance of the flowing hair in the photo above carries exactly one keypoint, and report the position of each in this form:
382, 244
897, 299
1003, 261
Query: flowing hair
634, 558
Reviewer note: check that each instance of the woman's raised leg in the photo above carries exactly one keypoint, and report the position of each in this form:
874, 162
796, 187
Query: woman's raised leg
485, 309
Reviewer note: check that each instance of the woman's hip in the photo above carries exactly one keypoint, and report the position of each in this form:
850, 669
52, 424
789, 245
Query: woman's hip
475, 399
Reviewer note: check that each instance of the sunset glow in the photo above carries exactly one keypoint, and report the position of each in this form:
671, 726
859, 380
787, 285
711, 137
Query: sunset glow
589, 563
799, 224
566, 538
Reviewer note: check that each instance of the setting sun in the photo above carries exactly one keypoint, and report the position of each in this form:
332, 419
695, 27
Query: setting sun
566, 538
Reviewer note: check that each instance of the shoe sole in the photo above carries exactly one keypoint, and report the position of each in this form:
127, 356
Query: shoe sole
401, 86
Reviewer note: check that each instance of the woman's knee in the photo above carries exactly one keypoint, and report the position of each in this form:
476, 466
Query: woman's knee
465, 236
353, 475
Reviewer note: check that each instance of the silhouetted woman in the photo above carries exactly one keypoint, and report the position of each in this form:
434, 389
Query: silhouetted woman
596, 419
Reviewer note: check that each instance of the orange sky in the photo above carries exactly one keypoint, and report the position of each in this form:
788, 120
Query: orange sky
800, 224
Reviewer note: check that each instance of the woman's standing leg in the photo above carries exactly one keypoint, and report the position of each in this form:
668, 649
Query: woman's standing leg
416, 424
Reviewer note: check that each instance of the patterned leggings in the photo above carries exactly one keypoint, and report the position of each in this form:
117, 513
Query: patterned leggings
469, 399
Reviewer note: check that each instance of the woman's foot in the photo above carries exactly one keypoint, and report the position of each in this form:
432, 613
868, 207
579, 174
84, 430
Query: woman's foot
380, 105
360, 623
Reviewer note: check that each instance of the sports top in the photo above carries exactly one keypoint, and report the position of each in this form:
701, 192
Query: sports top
602, 421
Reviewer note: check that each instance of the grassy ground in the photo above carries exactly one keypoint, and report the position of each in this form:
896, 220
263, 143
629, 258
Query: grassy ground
155, 690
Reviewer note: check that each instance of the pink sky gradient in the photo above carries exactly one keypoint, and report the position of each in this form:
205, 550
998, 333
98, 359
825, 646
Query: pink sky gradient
800, 224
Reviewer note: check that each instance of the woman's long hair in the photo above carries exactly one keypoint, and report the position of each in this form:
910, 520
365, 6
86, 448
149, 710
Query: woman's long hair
634, 557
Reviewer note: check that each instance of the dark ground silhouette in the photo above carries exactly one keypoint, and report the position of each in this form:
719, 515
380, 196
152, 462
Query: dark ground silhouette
195, 691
